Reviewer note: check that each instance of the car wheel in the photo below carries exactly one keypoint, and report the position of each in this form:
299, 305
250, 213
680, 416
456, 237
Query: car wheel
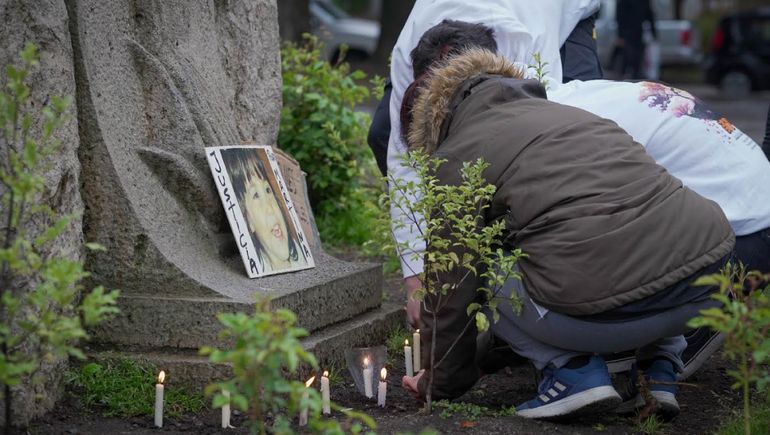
735, 84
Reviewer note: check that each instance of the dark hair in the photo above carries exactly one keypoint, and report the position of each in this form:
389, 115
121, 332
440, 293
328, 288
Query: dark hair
242, 164
449, 38
445, 39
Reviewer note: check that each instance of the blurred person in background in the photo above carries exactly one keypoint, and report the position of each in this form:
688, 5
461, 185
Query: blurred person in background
631, 16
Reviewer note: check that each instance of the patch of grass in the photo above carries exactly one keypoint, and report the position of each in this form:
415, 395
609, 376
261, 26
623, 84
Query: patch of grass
650, 425
760, 421
126, 388
395, 342
471, 411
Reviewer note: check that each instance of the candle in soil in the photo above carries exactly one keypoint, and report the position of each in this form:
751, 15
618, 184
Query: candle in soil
408, 358
226, 410
416, 350
159, 399
382, 388
326, 405
368, 379
303, 404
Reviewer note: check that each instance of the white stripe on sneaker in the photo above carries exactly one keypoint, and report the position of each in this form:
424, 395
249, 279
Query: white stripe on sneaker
559, 386
553, 392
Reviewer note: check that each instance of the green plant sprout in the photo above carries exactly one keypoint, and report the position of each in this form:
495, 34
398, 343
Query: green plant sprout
450, 220
267, 349
43, 309
744, 319
539, 69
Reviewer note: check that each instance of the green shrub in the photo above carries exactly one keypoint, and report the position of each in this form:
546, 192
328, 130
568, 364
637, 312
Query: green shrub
267, 350
321, 128
43, 314
744, 319
457, 241
126, 388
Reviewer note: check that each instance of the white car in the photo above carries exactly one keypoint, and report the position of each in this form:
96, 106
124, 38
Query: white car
336, 28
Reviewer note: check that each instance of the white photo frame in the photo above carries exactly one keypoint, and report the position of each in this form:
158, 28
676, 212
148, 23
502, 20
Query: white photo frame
260, 210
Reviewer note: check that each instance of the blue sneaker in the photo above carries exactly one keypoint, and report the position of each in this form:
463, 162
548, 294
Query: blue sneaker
661, 378
569, 392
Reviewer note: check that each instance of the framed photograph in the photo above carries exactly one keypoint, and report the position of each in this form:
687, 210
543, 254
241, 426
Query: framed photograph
260, 209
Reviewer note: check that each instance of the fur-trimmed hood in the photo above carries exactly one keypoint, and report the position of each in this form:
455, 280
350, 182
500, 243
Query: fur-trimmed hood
435, 96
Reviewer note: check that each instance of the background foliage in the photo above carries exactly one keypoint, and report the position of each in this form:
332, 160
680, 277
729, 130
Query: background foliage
323, 130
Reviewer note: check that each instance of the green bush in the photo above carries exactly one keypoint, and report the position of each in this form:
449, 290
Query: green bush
321, 128
744, 319
44, 311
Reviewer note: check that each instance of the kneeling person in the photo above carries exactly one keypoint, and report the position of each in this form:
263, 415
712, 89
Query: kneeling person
613, 240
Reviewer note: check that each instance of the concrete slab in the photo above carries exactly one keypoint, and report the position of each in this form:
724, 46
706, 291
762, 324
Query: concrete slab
189, 322
186, 368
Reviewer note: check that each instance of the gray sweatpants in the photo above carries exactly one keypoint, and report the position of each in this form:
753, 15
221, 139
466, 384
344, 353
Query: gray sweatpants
555, 338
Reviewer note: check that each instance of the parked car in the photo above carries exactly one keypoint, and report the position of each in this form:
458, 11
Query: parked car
740, 52
336, 28
676, 39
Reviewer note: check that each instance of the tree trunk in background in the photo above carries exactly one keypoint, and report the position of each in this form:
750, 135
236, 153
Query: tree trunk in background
392, 19
293, 19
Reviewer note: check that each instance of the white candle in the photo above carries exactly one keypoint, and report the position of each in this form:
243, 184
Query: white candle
226, 410
408, 358
326, 404
368, 379
382, 388
416, 349
159, 399
303, 404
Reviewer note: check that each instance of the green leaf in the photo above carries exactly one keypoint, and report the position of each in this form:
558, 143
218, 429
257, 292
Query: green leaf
482, 323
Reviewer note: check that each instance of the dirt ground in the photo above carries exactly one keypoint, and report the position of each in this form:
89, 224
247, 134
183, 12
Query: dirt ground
704, 405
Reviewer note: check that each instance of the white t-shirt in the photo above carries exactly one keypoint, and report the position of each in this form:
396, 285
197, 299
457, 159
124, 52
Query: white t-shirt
704, 150
521, 27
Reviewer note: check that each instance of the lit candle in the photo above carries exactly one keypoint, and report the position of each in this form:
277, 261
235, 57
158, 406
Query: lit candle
367, 379
325, 393
226, 410
303, 404
382, 388
416, 349
408, 358
159, 399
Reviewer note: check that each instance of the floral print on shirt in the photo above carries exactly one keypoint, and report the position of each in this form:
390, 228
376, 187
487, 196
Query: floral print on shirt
681, 103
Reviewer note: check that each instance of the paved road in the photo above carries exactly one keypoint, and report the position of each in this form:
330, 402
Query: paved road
749, 113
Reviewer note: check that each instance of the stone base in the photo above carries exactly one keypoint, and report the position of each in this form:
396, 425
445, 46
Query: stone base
186, 368
334, 292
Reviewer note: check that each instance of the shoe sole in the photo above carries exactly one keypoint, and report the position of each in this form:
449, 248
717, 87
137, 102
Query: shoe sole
714, 343
586, 402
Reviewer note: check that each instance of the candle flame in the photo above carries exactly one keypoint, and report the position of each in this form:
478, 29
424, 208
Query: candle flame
366, 361
326, 374
161, 376
406, 342
383, 374
417, 331
310, 382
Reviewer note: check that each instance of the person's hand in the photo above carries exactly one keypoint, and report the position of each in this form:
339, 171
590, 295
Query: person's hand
412, 284
410, 384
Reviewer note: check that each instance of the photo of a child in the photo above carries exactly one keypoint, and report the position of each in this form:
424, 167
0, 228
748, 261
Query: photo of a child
277, 242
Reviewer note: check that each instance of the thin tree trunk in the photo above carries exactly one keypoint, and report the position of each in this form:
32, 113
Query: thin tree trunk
293, 19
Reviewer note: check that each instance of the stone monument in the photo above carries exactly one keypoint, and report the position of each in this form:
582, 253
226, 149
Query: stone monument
155, 82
